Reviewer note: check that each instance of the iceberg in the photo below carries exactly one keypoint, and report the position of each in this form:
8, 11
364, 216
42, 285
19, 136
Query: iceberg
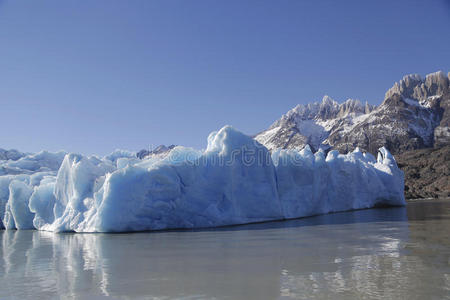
236, 180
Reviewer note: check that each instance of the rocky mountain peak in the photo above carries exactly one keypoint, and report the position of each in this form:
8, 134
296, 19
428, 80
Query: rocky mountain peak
328, 108
353, 106
415, 114
436, 83
324, 110
368, 108
328, 101
414, 87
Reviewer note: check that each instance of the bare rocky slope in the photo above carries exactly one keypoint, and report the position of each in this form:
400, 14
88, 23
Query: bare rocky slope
427, 172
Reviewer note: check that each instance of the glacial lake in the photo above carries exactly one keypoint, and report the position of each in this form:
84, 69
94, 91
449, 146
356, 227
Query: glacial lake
390, 253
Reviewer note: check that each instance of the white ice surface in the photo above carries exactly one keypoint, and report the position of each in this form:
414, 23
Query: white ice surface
234, 181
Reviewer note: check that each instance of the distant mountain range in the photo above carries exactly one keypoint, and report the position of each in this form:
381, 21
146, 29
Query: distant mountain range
414, 114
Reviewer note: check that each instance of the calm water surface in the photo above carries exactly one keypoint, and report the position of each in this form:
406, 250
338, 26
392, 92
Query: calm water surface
395, 253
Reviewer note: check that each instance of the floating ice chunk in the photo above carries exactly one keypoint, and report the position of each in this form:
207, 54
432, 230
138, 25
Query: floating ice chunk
42, 202
219, 188
181, 154
392, 178
150, 197
358, 154
41, 177
234, 181
123, 162
4, 192
319, 156
119, 153
4, 195
369, 157
18, 215
332, 155
385, 157
74, 189
295, 178
307, 155
42, 161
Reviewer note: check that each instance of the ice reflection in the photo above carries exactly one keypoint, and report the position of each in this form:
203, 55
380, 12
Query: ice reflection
366, 254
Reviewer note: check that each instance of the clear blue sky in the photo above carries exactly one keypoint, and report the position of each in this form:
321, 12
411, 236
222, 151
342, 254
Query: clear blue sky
93, 76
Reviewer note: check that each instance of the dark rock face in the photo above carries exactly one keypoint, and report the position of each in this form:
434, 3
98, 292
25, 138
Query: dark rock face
442, 132
396, 124
427, 172
415, 114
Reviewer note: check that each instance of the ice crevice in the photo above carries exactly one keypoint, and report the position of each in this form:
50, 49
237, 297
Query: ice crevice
235, 180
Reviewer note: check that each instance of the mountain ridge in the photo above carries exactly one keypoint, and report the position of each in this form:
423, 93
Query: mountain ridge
414, 114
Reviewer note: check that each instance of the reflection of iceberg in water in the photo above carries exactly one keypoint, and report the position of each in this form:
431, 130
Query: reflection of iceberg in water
49, 264
376, 263
350, 254
381, 274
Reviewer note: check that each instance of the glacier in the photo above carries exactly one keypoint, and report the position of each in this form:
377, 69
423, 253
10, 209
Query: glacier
235, 180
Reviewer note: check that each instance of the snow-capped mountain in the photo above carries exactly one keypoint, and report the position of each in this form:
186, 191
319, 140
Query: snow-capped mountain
312, 123
414, 114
